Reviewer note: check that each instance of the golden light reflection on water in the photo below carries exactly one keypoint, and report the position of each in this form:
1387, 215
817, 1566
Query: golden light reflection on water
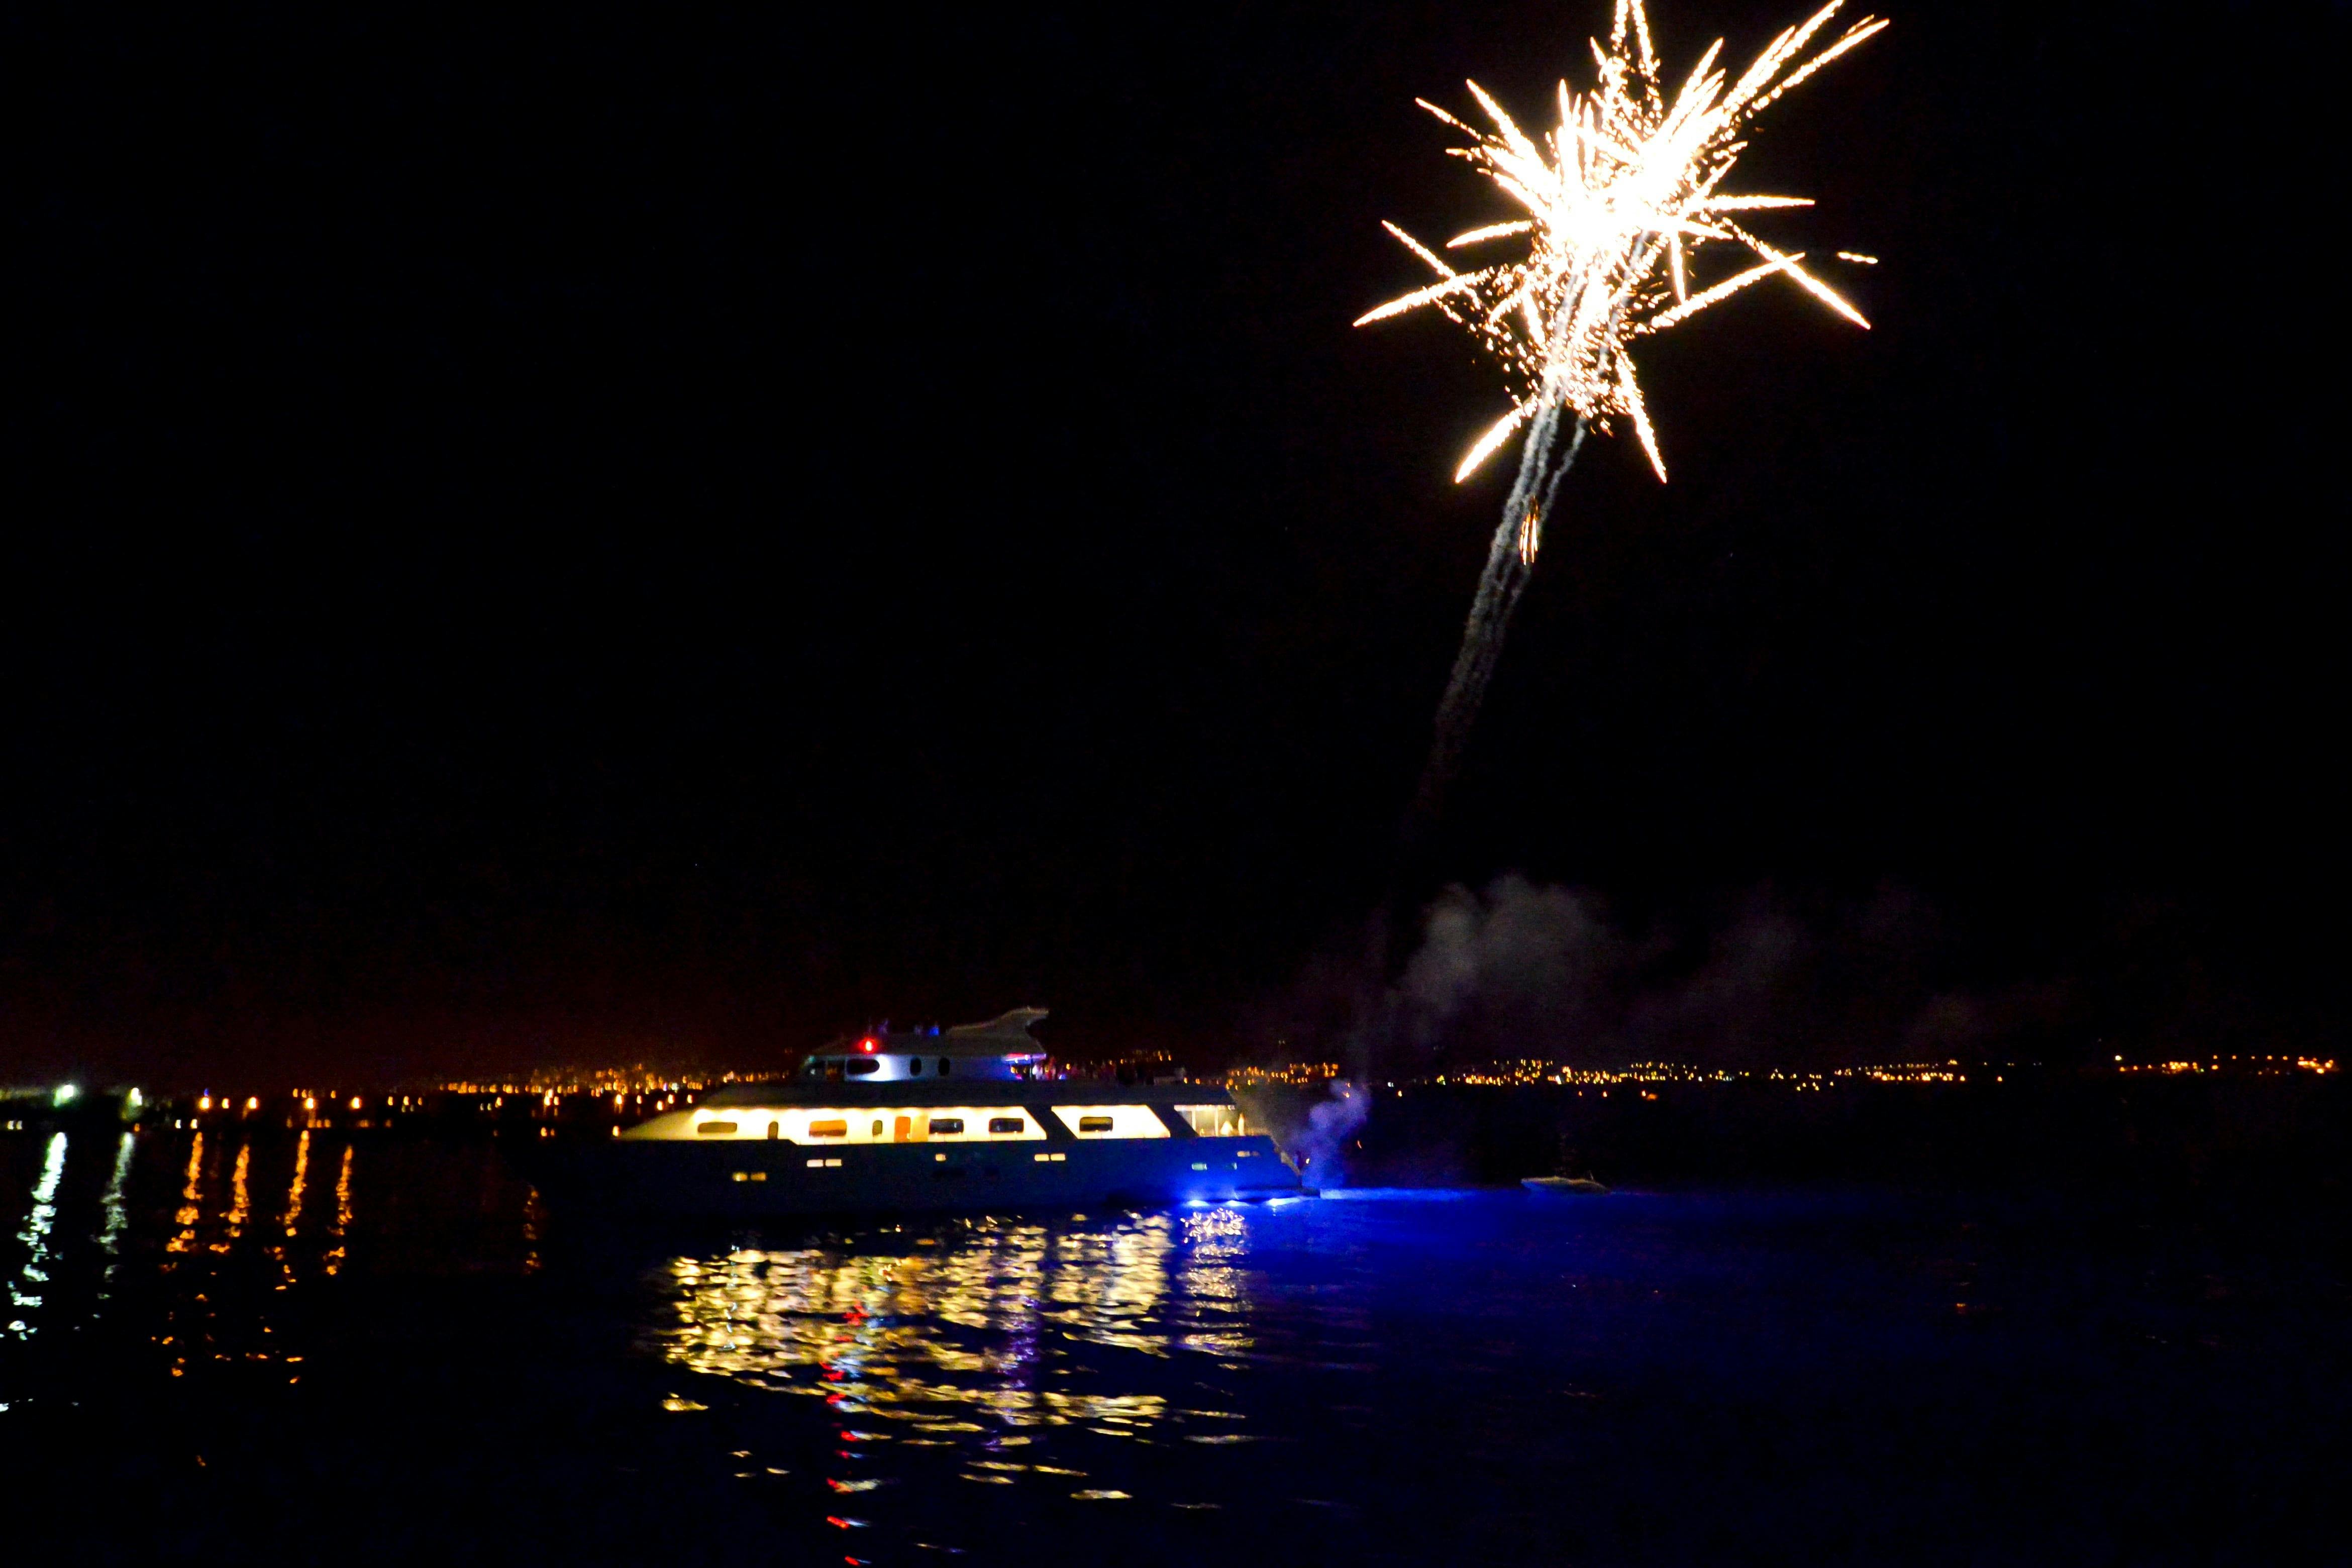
192, 1198
333, 1260
240, 1204
293, 1221
193, 1246
980, 1328
290, 1223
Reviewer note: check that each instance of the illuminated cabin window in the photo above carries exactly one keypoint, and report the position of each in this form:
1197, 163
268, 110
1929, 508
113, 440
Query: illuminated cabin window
828, 1129
1111, 1121
864, 1067
955, 1123
715, 1130
1215, 1120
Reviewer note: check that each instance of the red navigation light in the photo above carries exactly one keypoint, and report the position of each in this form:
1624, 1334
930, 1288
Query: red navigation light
866, 1045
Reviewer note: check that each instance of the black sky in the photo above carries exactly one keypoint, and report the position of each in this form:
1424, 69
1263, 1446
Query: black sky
554, 536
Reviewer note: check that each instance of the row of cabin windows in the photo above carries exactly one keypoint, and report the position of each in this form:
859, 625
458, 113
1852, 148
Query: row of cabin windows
1206, 1121
941, 1126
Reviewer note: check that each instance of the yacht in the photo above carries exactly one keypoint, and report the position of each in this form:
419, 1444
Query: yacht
971, 1118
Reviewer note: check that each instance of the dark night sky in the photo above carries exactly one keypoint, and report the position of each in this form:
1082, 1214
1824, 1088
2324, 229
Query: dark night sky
567, 536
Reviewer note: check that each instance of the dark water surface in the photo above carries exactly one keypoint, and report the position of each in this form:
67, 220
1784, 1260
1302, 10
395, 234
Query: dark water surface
297, 1349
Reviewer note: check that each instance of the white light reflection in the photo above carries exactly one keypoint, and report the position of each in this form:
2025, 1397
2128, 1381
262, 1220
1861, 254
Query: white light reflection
1214, 1283
115, 1218
25, 1290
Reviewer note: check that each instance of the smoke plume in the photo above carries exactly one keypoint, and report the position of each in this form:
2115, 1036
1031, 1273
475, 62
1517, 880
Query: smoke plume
1330, 1126
1524, 968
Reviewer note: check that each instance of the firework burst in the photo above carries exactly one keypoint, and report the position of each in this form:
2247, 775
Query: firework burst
1616, 209
1620, 202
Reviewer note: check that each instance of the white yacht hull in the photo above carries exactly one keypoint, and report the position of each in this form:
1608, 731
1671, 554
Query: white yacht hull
750, 1178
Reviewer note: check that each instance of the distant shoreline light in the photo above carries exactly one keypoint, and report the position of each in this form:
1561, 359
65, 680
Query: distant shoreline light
1512, 1073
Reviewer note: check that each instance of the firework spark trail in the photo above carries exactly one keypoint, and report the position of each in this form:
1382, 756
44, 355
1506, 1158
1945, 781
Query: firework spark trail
1621, 201
1510, 561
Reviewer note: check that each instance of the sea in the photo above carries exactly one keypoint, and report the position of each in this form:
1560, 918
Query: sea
331, 1348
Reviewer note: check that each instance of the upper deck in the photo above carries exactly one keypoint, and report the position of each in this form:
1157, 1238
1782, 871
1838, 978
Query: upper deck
1000, 1050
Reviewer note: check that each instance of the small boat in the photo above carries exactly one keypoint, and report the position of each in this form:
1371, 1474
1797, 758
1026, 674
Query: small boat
975, 1118
1561, 1184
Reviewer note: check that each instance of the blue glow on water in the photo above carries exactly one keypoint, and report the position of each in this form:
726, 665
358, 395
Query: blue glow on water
1400, 1194
367, 1346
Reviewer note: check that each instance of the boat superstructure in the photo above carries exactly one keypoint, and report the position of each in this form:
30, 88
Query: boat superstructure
974, 1117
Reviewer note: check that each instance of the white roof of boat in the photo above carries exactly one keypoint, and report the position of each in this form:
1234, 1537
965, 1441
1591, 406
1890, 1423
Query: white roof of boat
1007, 1033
